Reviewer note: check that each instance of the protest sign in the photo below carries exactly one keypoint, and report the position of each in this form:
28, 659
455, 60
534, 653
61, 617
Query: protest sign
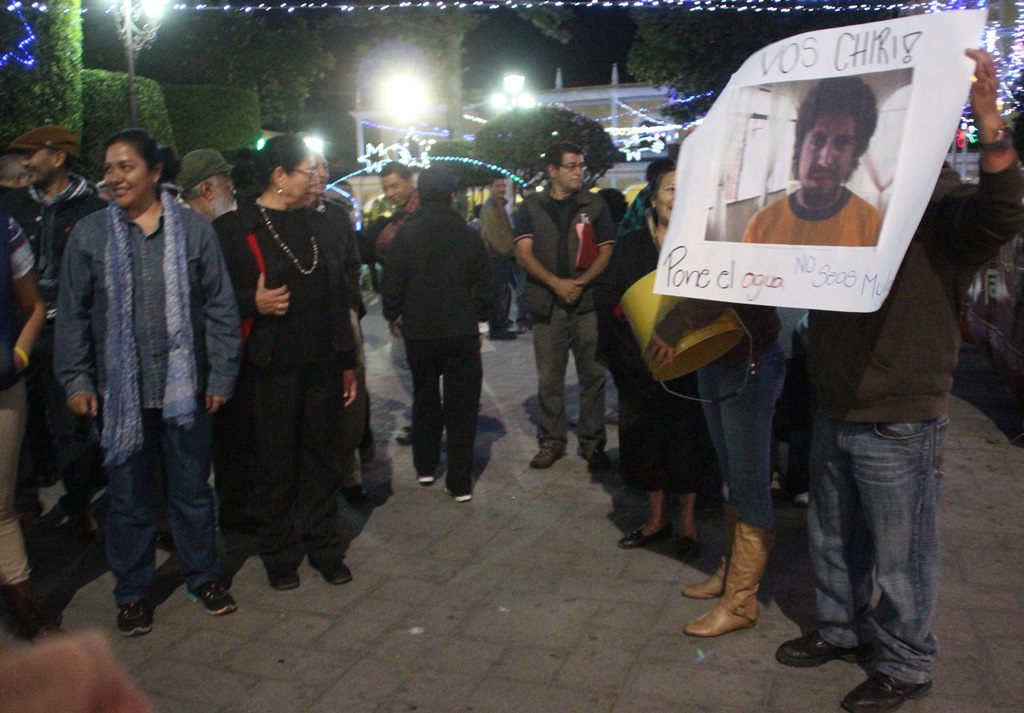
806, 180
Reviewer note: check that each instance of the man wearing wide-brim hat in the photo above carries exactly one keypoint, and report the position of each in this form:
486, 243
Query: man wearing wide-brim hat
205, 180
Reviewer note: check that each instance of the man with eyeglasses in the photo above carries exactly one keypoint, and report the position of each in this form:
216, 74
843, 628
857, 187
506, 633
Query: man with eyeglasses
565, 238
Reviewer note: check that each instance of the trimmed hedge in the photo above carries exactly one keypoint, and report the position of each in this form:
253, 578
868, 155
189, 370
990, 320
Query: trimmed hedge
105, 96
50, 92
205, 116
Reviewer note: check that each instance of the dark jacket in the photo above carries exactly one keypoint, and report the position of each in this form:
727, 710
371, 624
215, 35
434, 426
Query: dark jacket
896, 364
81, 329
534, 220
48, 227
437, 278
635, 256
233, 229
340, 227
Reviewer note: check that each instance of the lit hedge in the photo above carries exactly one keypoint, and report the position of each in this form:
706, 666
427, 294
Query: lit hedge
49, 92
213, 117
105, 97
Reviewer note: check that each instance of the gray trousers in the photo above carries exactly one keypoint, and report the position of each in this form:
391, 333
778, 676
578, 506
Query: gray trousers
553, 339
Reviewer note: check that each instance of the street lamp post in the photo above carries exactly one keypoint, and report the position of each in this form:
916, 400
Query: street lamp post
137, 23
513, 96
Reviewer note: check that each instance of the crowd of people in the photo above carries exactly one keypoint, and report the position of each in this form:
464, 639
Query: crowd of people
174, 330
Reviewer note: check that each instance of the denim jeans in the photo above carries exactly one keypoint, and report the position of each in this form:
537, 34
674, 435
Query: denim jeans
874, 500
134, 491
741, 429
569, 330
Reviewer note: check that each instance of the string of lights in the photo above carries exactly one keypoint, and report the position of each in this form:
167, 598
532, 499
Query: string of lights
374, 167
431, 131
691, 5
20, 53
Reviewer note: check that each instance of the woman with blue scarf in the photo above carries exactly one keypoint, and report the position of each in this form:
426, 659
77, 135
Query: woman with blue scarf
148, 336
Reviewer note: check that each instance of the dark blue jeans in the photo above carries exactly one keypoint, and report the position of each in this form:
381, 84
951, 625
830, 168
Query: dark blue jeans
874, 501
134, 491
741, 429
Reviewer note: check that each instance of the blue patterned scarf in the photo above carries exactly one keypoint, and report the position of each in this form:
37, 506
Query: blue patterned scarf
122, 410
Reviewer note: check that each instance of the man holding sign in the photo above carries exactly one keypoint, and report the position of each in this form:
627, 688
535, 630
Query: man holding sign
833, 128
883, 380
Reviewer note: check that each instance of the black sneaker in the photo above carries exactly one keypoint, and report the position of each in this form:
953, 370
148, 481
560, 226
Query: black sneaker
135, 619
215, 598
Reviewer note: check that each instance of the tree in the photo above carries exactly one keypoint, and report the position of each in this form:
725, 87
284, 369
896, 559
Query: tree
694, 52
441, 35
517, 139
281, 57
470, 175
50, 91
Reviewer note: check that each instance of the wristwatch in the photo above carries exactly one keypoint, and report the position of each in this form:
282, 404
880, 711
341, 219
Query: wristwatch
1003, 141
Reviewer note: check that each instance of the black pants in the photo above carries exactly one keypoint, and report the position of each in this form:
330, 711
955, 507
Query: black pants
56, 439
501, 270
234, 458
295, 489
457, 360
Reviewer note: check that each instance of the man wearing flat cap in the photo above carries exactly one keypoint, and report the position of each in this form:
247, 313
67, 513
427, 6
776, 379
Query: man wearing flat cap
437, 287
205, 180
56, 442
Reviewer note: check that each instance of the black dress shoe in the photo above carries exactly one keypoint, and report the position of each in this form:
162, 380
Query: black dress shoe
636, 538
283, 578
334, 571
355, 495
812, 650
687, 549
882, 692
502, 336
165, 541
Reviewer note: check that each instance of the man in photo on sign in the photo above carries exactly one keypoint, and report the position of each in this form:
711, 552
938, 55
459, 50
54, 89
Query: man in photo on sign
833, 128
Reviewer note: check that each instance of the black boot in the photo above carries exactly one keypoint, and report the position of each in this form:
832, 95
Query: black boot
23, 601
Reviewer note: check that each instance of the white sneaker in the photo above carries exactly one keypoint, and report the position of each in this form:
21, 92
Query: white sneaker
802, 499
460, 498
425, 479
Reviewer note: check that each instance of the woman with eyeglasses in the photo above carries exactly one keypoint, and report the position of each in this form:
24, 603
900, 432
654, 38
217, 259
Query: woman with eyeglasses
289, 277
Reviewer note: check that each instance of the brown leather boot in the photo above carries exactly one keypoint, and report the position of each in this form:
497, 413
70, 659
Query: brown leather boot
713, 586
738, 608
29, 621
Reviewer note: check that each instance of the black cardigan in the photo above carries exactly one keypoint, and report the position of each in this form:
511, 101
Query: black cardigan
233, 229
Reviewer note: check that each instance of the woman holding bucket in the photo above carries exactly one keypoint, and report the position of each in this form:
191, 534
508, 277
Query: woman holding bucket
664, 445
739, 391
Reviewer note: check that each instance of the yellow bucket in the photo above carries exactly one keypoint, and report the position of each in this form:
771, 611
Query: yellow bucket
698, 347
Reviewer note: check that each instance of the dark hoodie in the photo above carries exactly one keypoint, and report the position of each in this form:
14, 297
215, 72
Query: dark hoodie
48, 224
896, 364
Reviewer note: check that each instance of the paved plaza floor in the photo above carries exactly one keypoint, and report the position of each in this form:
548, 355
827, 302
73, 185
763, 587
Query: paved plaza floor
521, 601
